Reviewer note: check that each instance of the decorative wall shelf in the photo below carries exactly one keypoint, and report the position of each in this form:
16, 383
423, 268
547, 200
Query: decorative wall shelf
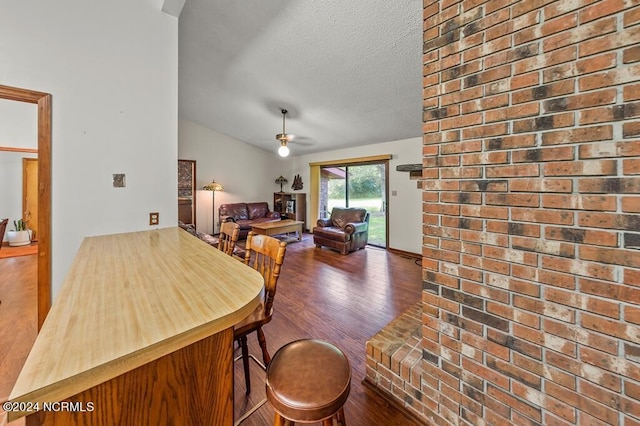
409, 167
415, 171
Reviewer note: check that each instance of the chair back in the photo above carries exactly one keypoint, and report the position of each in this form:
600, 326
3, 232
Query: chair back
266, 254
3, 227
340, 216
229, 233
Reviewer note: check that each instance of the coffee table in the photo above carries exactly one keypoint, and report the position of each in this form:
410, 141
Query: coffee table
279, 227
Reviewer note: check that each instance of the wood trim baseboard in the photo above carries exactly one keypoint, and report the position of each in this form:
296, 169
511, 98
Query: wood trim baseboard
405, 253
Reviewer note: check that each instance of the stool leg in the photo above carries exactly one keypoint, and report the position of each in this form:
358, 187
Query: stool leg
281, 421
263, 345
342, 421
245, 363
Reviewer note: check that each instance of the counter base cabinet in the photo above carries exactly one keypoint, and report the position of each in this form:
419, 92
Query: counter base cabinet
191, 386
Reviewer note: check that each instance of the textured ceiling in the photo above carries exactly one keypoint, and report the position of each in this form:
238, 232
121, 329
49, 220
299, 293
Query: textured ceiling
348, 72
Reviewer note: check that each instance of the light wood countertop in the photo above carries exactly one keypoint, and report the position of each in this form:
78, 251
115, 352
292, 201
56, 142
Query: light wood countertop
129, 299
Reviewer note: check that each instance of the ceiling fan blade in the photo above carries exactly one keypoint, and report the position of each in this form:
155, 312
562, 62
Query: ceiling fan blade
303, 141
285, 137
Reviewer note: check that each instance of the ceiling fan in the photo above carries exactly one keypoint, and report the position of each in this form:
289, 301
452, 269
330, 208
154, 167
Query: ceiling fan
286, 138
283, 137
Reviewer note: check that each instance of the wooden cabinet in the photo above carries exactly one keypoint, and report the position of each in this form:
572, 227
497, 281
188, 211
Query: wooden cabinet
291, 206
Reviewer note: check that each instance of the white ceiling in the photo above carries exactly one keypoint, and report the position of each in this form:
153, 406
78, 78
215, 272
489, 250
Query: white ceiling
348, 72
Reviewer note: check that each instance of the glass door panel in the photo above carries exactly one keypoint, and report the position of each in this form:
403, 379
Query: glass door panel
332, 189
366, 189
357, 185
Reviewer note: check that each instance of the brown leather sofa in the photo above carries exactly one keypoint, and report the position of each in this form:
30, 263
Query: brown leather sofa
347, 230
247, 214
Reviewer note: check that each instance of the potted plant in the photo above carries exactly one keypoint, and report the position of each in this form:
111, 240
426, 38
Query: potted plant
20, 236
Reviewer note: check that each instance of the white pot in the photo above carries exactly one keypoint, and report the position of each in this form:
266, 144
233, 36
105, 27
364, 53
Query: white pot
19, 238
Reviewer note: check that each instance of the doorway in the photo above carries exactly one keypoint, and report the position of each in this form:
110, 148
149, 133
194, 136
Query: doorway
186, 192
43, 103
24, 310
358, 185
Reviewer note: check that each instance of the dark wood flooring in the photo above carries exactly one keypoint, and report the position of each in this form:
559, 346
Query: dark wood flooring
342, 299
18, 319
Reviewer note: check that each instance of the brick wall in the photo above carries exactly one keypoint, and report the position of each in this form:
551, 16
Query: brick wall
531, 251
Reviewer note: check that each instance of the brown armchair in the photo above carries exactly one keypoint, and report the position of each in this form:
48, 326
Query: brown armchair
346, 230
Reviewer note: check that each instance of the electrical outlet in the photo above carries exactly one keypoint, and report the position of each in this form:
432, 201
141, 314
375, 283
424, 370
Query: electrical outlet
154, 218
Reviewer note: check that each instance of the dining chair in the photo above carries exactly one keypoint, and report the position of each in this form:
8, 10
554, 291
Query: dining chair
3, 227
229, 233
264, 254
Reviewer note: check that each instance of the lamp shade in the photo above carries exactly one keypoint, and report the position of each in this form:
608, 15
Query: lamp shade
213, 186
281, 180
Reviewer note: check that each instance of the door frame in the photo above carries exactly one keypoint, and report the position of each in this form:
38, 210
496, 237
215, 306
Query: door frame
43, 101
314, 177
193, 189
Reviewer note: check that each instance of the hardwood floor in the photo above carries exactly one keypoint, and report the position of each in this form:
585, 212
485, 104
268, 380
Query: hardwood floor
18, 319
342, 299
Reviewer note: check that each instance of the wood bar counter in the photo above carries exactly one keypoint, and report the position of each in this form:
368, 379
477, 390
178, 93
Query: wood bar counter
140, 334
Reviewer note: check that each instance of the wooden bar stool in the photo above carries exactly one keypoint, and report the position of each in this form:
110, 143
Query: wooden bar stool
308, 381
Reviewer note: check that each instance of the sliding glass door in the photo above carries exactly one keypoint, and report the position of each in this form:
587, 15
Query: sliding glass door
357, 185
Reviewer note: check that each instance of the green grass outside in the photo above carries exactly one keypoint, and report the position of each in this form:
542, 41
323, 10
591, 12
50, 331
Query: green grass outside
377, 229
377, 225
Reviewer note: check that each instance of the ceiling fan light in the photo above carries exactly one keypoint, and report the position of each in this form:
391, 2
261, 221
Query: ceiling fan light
283, 137
283, 151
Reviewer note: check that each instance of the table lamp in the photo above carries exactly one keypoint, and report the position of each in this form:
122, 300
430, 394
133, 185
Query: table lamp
281, 180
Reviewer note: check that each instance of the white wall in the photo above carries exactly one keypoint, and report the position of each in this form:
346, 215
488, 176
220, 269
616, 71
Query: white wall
18, 124
112, 69
18, 129
247, 173
11, 186
405, 208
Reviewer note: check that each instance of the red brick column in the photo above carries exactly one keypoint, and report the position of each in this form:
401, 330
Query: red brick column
531, 209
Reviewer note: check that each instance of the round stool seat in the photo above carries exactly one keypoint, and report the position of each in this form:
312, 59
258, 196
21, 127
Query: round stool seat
308, 380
